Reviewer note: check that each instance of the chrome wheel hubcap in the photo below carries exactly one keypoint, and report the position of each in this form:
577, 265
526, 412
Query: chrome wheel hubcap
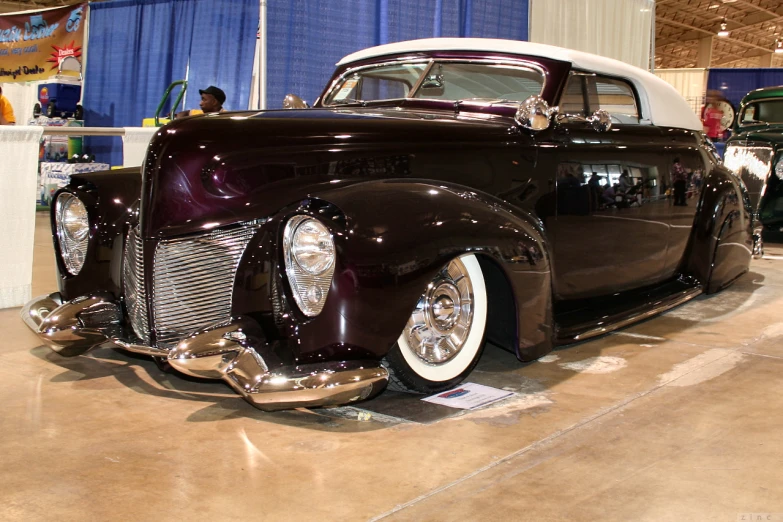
439, 326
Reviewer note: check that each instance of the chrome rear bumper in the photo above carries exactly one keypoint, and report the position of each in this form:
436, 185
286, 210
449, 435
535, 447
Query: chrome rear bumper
218, 352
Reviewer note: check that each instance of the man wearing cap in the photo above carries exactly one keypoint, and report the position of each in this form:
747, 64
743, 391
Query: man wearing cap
212, 99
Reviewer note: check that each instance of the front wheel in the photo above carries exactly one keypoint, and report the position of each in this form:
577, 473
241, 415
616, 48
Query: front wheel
444, 336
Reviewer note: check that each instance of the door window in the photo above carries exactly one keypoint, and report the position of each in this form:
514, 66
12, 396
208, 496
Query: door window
573, 102
615, 97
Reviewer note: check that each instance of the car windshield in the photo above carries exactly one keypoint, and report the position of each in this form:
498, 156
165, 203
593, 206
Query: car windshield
767, 111
438, 81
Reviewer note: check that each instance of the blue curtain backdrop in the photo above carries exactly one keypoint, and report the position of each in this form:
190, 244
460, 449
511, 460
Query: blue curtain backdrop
222, 49
138, 47
734, 84
305, 38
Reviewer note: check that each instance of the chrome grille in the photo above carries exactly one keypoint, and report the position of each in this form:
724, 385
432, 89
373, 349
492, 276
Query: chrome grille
193, 282
133, 282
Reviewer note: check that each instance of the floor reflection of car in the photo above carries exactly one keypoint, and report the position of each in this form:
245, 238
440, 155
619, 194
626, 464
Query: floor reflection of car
755, 153
439, 193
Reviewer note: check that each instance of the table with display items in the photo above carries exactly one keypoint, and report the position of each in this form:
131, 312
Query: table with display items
54, 175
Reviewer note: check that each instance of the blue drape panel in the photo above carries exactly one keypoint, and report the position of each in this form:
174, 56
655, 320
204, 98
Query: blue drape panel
305, 38
138, 47
222, 49
734, 84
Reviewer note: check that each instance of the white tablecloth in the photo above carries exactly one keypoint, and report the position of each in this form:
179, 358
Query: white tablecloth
134, 145
19, 175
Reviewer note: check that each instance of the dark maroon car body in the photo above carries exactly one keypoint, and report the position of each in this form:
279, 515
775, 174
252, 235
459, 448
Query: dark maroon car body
404, 186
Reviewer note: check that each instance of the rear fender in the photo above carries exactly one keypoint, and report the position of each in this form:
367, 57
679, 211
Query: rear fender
733, 253
722, 238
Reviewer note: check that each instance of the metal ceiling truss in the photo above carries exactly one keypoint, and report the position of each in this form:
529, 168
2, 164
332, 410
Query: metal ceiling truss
753, 25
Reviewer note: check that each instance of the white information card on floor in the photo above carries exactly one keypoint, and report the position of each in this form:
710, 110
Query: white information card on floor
469, 396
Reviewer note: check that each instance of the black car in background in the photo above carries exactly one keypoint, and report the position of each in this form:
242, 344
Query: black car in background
755, 153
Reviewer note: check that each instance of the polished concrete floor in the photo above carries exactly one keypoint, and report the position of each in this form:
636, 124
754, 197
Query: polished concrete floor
679, 418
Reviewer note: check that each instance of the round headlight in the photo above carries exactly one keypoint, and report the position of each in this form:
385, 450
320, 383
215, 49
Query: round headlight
73, 228
779, 168
309, 253
312, 247
74, 219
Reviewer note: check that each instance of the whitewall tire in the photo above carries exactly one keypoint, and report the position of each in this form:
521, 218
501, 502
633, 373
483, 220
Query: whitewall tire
444, 336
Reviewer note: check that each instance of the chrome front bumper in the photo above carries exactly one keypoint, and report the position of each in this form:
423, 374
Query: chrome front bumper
218, 352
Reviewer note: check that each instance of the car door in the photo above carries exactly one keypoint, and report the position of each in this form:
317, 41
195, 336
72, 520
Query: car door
604, 241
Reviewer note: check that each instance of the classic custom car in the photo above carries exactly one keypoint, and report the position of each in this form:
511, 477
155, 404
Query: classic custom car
755, 153
439, 194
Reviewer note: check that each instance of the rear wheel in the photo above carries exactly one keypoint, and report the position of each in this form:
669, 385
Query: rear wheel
444, 336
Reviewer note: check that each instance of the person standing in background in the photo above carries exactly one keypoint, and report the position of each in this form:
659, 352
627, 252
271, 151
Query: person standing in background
711, 117
6, 111
680, 178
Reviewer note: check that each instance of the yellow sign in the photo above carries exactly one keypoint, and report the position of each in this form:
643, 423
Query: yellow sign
33, 44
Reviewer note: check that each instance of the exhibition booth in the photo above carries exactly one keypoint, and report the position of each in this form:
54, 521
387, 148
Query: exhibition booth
126, 73
256, 52
391, 260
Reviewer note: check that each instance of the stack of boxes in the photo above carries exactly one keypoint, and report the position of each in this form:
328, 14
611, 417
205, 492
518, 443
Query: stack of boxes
53, 155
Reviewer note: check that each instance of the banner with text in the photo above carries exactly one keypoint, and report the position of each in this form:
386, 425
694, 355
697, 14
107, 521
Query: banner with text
33, 44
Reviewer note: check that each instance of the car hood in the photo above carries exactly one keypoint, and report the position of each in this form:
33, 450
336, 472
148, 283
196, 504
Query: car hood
210, 171
772, 135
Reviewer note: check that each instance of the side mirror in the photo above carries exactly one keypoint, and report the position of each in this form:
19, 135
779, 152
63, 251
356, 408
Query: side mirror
600, 120
292, 101
534, 113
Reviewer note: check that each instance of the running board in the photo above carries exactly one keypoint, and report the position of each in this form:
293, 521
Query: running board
572, 333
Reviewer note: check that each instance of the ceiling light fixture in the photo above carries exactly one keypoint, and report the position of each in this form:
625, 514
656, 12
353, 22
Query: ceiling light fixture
779, 46
714, 6
723, 29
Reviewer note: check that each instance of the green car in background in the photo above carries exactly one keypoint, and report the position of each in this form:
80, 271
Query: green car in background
755, 153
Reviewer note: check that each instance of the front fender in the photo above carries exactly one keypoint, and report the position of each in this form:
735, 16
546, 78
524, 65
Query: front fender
391, 238
111, 199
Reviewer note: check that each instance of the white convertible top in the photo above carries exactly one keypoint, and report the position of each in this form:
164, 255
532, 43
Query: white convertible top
660, 102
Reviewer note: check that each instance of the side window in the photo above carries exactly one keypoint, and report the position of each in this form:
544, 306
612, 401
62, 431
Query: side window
572, 101
615, 97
